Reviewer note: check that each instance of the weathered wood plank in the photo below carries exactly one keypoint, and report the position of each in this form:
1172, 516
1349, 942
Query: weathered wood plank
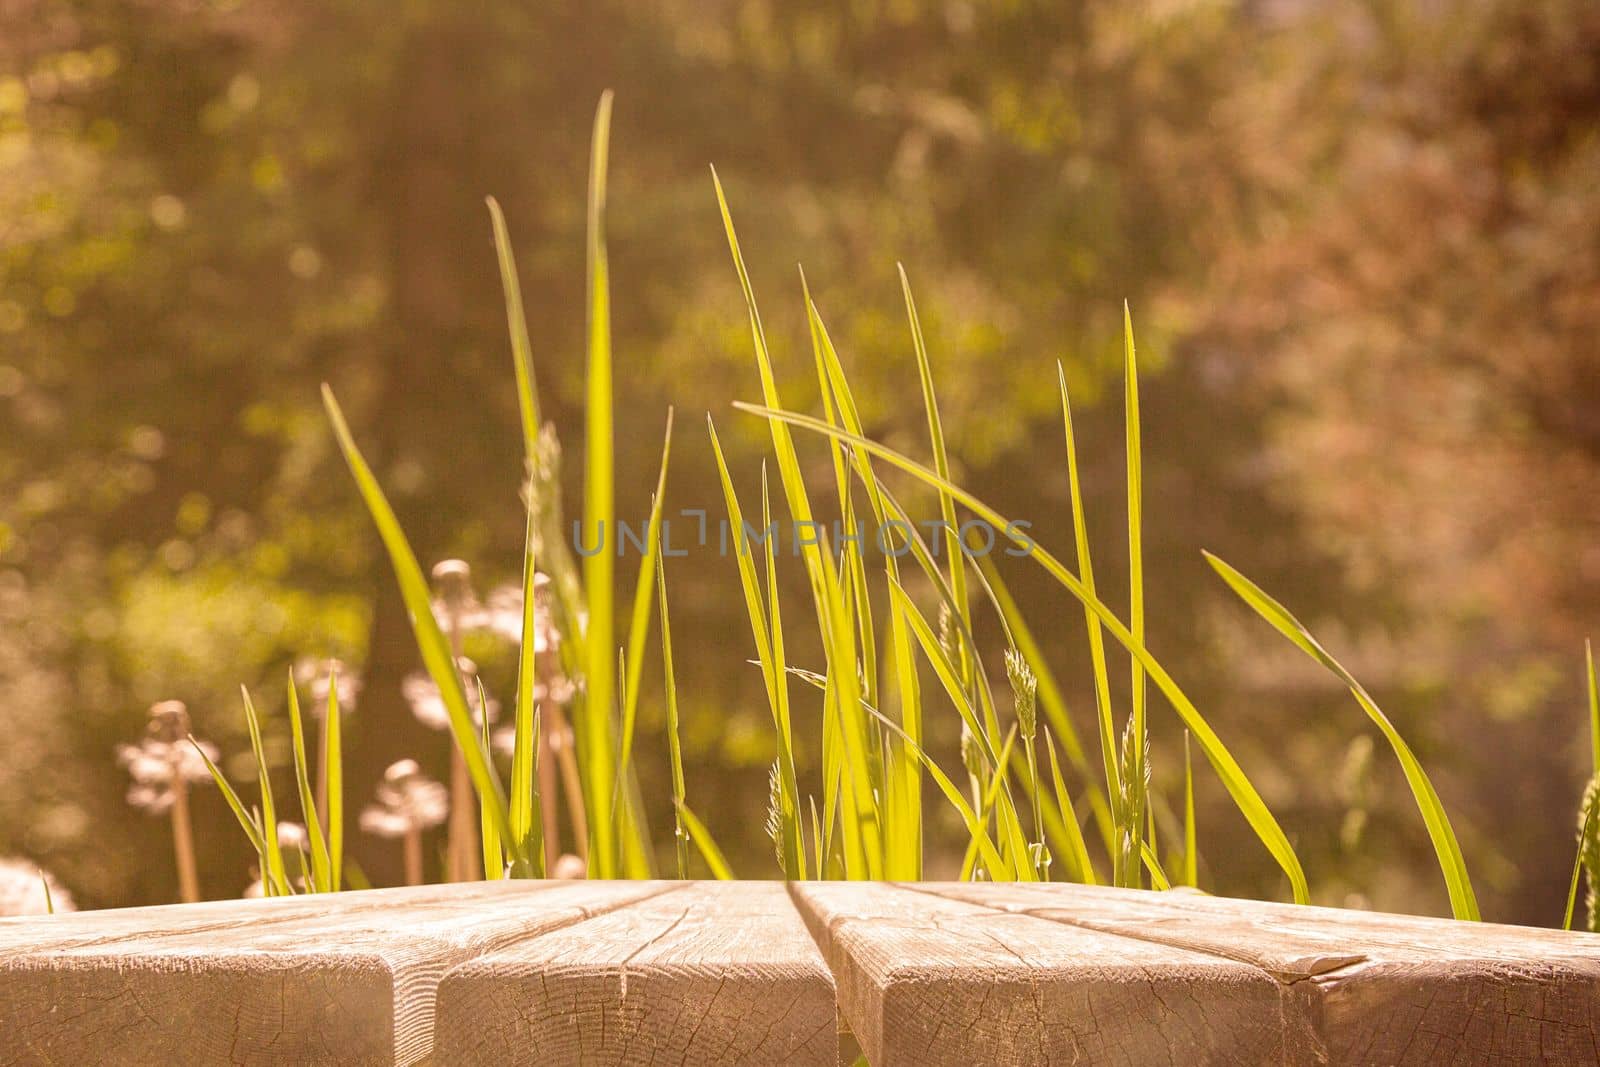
1360, 987
348, 979
711, 973
928, 980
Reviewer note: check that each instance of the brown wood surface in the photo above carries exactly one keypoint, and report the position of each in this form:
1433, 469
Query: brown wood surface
1358, 987
348, 979
721, 973
714, 973
927, 980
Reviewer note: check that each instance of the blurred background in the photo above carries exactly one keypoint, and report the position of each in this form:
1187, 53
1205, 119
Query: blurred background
1361, 243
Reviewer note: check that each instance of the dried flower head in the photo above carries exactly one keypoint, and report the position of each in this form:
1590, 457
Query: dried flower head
1024, 692
775, 810
427, 704
971, 753
947, 630
407, 800
22, 889
164, 757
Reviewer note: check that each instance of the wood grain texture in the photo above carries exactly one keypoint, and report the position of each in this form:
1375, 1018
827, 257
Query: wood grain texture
928, 980
1359, 987
347, 979
710, 973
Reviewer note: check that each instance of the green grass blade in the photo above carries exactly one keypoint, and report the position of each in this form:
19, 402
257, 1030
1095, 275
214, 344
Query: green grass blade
274, 869
596, 753
525, 820
1078, 850
1137, 795
517, 326
1586, 835
431, 640
246, 822
1594, 705
980, 836
705, 843
1152, 863
1050, 697
836, 626
941, 464
1191, 854
674, 744
792, 846
494, 856
1463, 901
1097, 646
321, 878
333, 777
1238, 784
643, 598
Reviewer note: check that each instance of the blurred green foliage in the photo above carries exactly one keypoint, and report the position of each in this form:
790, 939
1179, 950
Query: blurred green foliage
1362, 241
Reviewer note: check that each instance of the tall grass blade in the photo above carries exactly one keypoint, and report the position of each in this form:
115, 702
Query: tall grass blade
1138, 794
247, 821
941, 464
494, 856
431, 640
680, 838
517, 326
863, 818
525, 819
1594, 705
1463, 902
596, 752
1191, 853
1097, 647
643, 598
1239, 787
274, 869
1588, 858
333, 778
321, 877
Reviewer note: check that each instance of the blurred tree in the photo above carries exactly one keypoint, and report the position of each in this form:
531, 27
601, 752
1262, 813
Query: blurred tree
1415, 309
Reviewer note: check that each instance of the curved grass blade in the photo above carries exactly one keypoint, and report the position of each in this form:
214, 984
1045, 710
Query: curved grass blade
941, 464
705, 843
1097, 645
517, 326
431, 640
1463, 902
246, 821
1078, 850
1239, 787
